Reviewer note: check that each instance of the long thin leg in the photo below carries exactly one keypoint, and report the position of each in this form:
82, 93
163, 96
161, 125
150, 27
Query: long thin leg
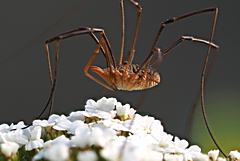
123, 32
131, 55
89, 63
56, 58
198, 96
52, 80
179, 41
170, 21
52, 76
175, 19
105, 47
90, 31
135, 33
166, 52
187, 38
202, 87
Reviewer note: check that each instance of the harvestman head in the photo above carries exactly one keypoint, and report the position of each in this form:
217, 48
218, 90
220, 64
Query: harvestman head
125, 75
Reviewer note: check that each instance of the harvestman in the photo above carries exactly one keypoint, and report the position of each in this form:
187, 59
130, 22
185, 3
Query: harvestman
124, 75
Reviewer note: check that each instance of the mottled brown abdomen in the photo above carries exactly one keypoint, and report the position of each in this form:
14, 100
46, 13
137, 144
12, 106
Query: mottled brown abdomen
125, 77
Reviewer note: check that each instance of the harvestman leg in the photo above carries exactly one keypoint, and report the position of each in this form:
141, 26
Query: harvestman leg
165, 52
131, 52
123, 32
104, 46
135, 33
196, 101
203, 79
90, 62
187, 38
203, 74
171, 21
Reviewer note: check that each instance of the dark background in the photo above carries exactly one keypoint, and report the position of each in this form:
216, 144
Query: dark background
24, 81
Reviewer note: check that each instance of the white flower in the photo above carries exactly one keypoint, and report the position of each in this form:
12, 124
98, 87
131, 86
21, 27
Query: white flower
35, 144
54, 150
101, 136
173, 157
144, 124
35, 133
53, 118
135, 147
114, 124
234, 155
78, 115
114, 128
9, 148
34, 136
98, 114
4, 128
98, 137
2, 138
194, 149
78, 124
57, 152
16, 136
187, 157
118, 147
112, 149
19, 125
81, 138
213, 154
156, 129
87, 155
131, 151
151, 155
42, 123
62, 123
91, 136
221, 159
142, 140
102, 109
200, 157
165, 140
59, 140
179, 146
38, 156
183, 144
193, 153
124, 111
103, 104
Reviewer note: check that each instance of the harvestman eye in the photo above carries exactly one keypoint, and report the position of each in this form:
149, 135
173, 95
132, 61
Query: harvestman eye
126, 75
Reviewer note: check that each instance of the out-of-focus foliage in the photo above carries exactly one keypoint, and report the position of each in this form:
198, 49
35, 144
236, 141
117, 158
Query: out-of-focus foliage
223, 110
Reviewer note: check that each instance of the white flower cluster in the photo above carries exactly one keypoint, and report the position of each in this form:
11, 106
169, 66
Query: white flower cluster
106, 130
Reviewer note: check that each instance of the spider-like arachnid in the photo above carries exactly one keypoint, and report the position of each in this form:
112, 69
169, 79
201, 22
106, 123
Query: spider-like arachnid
125, 75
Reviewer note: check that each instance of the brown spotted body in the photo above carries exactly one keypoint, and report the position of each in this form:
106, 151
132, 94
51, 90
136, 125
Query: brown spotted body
126, 77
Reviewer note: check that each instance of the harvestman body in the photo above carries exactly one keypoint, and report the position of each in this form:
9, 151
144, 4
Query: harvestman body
125, 75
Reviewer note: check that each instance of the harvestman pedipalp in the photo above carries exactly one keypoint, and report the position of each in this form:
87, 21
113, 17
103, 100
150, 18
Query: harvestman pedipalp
125, 75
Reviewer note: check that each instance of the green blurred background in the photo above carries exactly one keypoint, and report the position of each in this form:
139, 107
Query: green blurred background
223, 109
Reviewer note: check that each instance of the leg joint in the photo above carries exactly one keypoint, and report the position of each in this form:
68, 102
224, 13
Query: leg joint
135, 3
171, 20
187, 38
